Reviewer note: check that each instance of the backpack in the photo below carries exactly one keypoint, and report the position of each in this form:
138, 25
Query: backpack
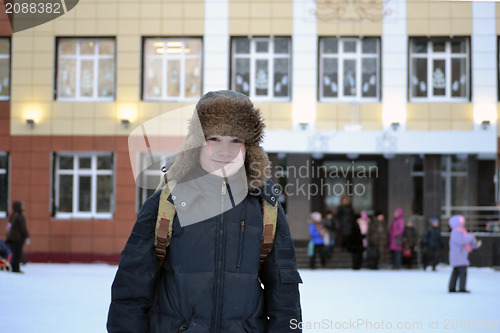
166, 214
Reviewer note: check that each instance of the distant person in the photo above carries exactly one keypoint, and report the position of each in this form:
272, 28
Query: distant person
410, 242
461, 244
431, 243
317, 232
17, 234
363, 222
377, 240
396, 238
355, 245
345, 216
330, 223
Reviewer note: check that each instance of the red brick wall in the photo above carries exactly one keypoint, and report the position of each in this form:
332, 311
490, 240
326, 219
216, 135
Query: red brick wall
60, 240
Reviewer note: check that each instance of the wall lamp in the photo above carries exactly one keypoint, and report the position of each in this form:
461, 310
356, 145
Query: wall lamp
395, 126
125, 123
30, 122
303, 126
485, 124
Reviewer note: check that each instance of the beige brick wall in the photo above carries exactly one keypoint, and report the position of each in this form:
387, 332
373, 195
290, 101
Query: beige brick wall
33, 61
277, 116
440, 117
330, 116
438, 18
261, 18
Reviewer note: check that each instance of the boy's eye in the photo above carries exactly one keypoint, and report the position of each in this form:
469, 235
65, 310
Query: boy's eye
214, 139
237, 141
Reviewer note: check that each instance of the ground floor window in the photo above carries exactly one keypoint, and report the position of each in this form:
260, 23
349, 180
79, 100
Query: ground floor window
455, 182
417, 184
151, 171
4, 183
84, 185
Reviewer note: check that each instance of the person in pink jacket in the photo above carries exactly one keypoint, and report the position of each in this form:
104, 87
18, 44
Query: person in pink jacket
396, 237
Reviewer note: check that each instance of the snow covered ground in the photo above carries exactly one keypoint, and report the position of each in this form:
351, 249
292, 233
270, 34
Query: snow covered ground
53, 298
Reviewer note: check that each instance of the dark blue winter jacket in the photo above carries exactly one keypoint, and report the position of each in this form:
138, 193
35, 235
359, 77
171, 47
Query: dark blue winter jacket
209, 279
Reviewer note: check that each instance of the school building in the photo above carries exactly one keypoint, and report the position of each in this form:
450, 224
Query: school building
394, 102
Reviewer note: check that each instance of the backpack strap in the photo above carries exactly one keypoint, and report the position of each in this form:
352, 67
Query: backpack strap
164, 224
270, 218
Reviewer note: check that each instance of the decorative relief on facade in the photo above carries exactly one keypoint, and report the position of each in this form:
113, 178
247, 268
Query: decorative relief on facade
350, 10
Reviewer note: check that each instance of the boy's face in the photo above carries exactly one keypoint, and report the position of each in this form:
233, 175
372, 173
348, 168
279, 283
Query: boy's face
222, 156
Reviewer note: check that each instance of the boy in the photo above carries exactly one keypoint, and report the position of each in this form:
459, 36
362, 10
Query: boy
210, 280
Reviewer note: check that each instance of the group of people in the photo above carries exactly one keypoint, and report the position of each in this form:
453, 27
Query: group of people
404, 239
367, 238
352, 232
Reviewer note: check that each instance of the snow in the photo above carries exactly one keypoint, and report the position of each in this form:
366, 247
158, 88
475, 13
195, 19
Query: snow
75, 298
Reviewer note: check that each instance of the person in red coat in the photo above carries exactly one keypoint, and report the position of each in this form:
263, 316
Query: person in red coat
396, 237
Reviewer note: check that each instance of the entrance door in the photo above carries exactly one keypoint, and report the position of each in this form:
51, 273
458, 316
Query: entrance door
355, 179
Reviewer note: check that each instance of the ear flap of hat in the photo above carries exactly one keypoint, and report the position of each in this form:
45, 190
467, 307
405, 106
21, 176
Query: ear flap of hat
257, 166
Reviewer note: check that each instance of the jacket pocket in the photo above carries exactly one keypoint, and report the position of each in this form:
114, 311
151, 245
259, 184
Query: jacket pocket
288, 275
240, 246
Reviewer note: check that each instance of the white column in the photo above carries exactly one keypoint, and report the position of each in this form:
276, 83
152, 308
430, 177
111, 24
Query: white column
304, 70
394, 64
484, 64
216, 46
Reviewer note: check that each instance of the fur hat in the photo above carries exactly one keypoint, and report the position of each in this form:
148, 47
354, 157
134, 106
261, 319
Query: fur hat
226, 113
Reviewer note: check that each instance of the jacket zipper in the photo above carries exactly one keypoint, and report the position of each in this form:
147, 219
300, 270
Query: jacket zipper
219, 262
182, 329
224, 190
240, 248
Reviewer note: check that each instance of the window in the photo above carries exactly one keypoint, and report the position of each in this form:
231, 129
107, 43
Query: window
4, 68
439, 69
455, 184
84, 185
260, 67
172, 68
4, 184
86, 69
151, 173
349, 69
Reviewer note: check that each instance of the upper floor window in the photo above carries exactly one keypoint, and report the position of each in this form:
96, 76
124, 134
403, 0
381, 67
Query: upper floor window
84, 185
439, 69
172, 68
86, 69
4, 184
349, 69
4, 68
260, 67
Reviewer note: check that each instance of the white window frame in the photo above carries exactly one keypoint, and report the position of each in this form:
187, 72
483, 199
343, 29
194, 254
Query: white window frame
447, 56
7, 56
417, 174
341, 56
5, 172
447, 175
93, 172
165, 57
79, 58
253, 56
144, 161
